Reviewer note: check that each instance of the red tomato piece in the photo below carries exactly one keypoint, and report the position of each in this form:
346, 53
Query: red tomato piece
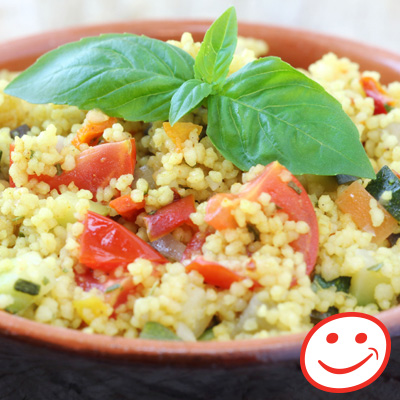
95, 167
214, 273
373, 89
106, 245
289, 196
127, 208
170, 217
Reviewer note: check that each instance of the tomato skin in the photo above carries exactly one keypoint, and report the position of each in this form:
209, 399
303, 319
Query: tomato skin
127, 208
106, 245
170, 217
96, 166
214, 273
297, 206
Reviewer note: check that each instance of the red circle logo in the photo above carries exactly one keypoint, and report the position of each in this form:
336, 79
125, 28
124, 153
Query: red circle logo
345, 352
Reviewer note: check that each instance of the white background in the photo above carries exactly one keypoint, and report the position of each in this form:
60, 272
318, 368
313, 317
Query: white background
372, 21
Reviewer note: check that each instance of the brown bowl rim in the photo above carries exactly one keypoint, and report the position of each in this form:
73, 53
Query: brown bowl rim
273, 349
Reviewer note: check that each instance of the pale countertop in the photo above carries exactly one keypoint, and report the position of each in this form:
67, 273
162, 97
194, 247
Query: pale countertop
371, 21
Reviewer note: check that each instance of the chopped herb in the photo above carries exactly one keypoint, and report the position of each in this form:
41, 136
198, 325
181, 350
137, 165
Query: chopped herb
293, 186
317, 316
153, 288
20, 131
343, 179
113, 287
152, 212
16, 219
1, 155
208, 334
59, 169
375, 267
32, 154
21, 285
252, 229
21, 234
342, 283
156, 331
388, 107
65, 270
45, 281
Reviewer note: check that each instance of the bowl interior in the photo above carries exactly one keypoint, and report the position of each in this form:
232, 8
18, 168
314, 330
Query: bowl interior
299, 48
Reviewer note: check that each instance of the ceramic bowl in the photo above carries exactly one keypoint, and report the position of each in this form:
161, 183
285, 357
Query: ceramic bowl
43, 362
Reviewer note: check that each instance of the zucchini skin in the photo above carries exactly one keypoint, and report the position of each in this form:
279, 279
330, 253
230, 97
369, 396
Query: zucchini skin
386, 180
343, 179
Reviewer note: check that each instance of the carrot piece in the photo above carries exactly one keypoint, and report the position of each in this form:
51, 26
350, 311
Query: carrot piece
355, 200
180, 132
170, 217
93, 127
214, 273
127, 208
373, 89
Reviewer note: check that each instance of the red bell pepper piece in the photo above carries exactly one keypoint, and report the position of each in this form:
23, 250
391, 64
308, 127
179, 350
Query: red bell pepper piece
214, 273
170, 217
106, 245
288, 194
127, 208
194, 246
373, 89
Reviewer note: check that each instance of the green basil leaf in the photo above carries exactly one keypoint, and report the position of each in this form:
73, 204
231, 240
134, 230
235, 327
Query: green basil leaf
270, 111
216, 51
127, 76
187, 98
156, 331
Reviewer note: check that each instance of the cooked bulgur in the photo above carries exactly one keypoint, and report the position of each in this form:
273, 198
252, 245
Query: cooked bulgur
41, 227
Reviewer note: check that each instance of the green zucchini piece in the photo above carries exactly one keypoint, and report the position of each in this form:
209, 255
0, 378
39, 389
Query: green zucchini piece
386, 181
156, 331
342, 283
318, 316
66, 207
343, 179
28, 287
364, 282
207, 335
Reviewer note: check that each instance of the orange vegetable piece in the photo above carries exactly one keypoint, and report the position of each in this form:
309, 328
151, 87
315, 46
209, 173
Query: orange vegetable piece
127, 208
93, 127
179, 133
355, 201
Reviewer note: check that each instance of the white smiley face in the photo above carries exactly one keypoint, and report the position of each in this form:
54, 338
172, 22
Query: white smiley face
345, 352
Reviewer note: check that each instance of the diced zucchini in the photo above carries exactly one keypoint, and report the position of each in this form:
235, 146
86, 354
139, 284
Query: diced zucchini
386, 189
66, 207
318, 316
207, 335
364, 282
343, 179
26, 278
156, 331
342, 283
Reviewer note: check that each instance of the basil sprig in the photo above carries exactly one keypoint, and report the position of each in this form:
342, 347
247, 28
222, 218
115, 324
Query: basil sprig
264, 112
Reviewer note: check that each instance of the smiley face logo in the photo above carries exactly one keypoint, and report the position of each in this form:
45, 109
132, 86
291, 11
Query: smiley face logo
345, 352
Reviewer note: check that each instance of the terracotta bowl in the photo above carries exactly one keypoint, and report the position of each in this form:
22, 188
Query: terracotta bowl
44, 362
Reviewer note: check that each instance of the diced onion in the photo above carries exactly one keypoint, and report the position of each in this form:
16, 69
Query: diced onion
184, 332
146, 173
169, 247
